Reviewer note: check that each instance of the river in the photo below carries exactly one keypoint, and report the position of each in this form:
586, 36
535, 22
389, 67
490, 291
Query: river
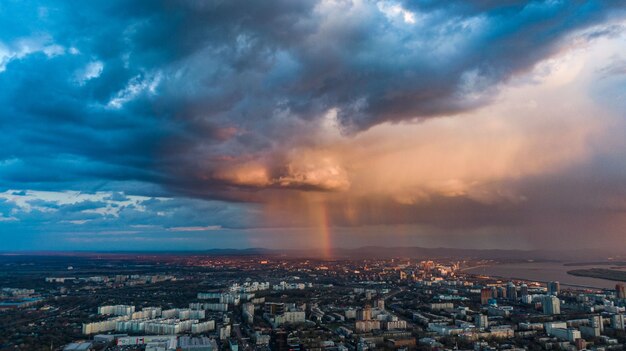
544, 272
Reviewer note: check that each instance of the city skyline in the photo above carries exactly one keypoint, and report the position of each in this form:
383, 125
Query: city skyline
185, 125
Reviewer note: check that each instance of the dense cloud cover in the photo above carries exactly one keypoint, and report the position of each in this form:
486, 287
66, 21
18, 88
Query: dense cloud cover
238, 101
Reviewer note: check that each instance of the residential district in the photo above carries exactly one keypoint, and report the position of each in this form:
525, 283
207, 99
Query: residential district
198, 303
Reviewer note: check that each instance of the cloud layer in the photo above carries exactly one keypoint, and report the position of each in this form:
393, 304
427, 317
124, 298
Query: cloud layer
445, 114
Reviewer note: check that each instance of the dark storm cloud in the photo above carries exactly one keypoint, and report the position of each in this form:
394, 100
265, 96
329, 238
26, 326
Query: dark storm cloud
159, 98
166, 92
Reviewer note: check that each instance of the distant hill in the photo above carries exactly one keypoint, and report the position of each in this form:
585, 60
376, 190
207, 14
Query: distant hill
423, 252
367, 252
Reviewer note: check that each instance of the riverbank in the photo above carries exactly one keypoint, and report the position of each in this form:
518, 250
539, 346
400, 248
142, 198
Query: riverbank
600, 273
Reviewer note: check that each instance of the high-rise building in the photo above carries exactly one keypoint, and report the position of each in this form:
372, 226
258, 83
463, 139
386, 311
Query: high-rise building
597, 322
554, 288
523, 290
485, 295
481, 321
247, 312
117, 310
274, 308
502, 292
551, 305
365, 314
402, 275
618, 321
380, 303
511, 291
248, 307
620, 291
365, 326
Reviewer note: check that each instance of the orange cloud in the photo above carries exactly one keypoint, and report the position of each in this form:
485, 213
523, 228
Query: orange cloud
532, 130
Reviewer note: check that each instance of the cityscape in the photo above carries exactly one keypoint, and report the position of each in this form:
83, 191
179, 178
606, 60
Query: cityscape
205, 302
312, 175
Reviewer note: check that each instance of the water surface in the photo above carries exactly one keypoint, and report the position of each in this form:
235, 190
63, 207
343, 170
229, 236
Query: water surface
544, 272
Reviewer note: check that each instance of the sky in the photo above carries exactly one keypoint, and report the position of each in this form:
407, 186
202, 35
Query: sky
312, 124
